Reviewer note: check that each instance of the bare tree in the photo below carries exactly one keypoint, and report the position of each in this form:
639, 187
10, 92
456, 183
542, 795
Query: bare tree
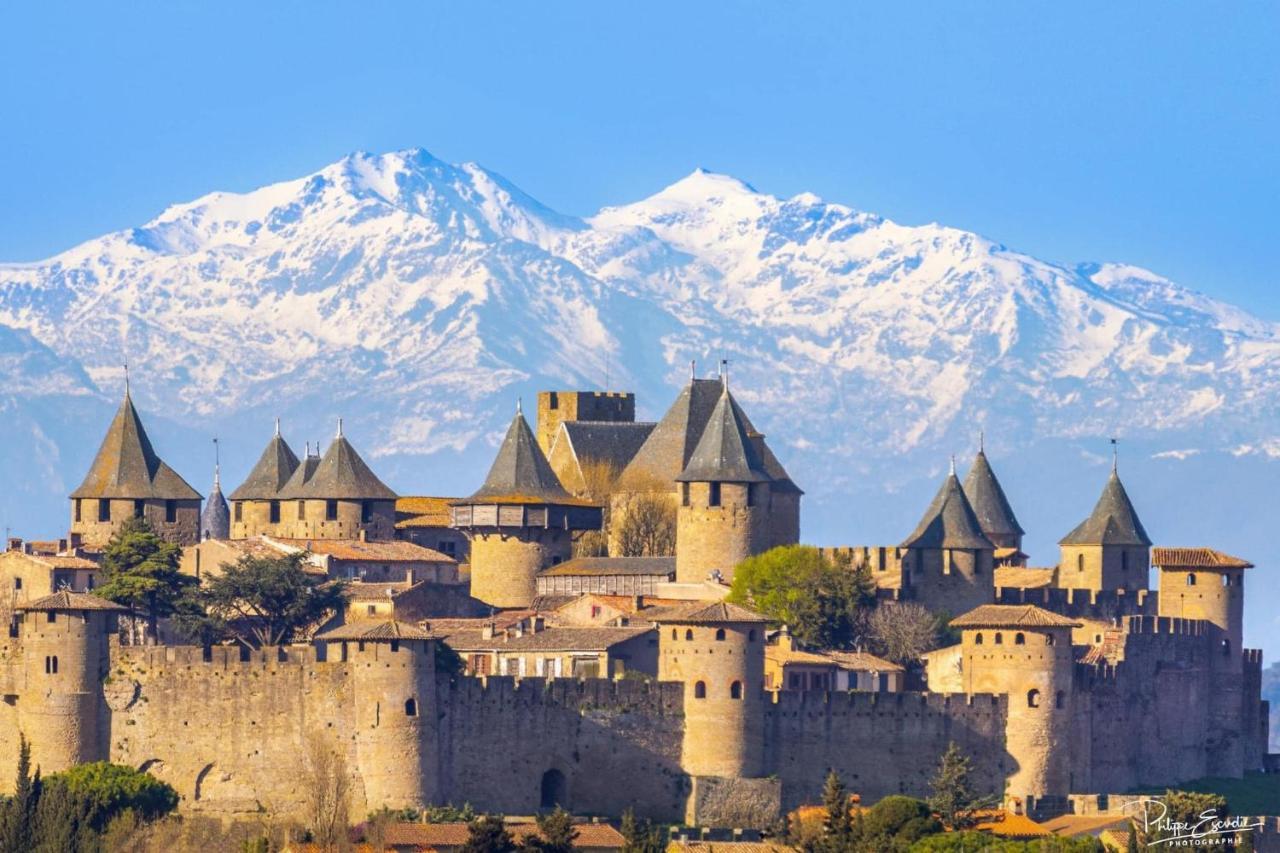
326, 789
903, 631
647, 527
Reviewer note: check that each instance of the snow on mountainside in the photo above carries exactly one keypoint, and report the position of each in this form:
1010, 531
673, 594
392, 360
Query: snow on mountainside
418, 298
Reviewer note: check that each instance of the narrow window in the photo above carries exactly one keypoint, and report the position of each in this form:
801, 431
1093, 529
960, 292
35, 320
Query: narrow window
330, 510
751, 494
1079, 562
720, 634
713, 494
751, 635
55, 664
1226, 580
1124, 561
700, 690
239, 511
1059, 700
688, 634
999, 639
684, 494
1048, 639
977, 640
273, 512
170, 511
104, 509
1226, 648
411, 707
1191, 580
377, 714
51, 617
77, 509
1033, 698
735, 690
302, 510
373, 608
673, 634
1019, 639
138, 507
395, 645
553, 401
366, 512
360, 646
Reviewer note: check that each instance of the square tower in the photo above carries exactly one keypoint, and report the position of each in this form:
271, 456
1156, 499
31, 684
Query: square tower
556, 407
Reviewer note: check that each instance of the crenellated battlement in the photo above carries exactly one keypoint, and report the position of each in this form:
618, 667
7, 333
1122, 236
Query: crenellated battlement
1167, 625
161, 658
1253, 657
1084, 603
571, 693
864, 702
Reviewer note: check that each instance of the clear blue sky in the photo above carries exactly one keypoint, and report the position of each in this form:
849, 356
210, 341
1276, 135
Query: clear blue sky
1144, 132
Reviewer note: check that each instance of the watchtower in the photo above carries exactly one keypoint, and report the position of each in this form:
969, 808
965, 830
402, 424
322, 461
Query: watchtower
1201, 583
1025, 651
949, 564
520, 521
392, 669
556, 407
256, 505
65, 640
1110, 549
991, 506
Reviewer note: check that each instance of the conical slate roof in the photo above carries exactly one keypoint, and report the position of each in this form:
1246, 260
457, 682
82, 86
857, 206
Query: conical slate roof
666, 452
724, 453
127, 467
274, 468
215, 518
1114, 521
988, 500
342, 475
949, 522
520, 470
301, 476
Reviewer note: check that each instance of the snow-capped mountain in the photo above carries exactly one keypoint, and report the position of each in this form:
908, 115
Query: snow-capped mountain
419, 298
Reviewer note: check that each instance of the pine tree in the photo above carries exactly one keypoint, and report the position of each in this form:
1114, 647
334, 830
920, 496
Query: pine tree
838, 823
488, 834
17, 819
555, 833
140, 571
640, 836
952, 793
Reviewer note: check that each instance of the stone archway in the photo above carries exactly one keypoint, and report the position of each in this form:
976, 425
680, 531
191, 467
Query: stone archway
554, 790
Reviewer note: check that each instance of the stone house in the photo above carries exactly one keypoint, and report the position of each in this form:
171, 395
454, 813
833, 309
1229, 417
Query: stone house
425, 521
530, 648
607, 576
27, 573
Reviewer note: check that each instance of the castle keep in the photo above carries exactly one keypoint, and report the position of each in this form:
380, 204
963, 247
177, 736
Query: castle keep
1068, 679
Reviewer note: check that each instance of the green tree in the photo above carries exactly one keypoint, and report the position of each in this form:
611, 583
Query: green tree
269, 601
837, 824
824, 603
108, 790
17, 816
140, 571
488, 834
640, 836
952, 796
555, 833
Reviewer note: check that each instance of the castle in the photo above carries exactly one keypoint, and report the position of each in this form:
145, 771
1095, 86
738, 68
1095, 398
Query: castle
1067, 681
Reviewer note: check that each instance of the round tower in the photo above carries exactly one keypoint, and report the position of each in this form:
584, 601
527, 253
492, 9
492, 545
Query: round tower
520, 521
717, 651
724, 514
65, 640
392, 671
1200, 583
1025, 652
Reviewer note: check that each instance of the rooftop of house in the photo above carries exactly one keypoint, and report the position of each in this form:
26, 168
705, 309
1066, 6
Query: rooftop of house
361, 591
701, 613
52, 561
1012, 616
1113, 521
1007, 824
441, 835
1196, 558
372, 550
526, 639
384, 630
1016, 576
127, 467
608, 566
422, 511
67, 600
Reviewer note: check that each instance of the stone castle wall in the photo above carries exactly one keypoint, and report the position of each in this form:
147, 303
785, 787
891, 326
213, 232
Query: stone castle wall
183, 530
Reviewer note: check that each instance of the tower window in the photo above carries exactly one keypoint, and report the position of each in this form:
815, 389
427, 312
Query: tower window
366, 512
1048, 639
673, 634
751, 494
395, 645
1191, 580
553, 401
104, 509
1226, 647
977, 640
713, 494
1079, 562
1124, 561
720, 634
77, 505
1033, 698
411, 707
1019, 639
51, 617
688, 634
302, 510
51, 665
999, 639
330, 510
138, 507
751, 635
700, 690
684, 494
1226, 580
273, 512
735, 690
239, 510
170, 511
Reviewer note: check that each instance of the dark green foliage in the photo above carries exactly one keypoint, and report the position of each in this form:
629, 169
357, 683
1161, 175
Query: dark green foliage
823, 602
488, 834
893, 815
140, 571
641, 836
268, 601
448, 662
981, 842
837, 823
952, 796
17, 814
449, 813
108, 790
555, 833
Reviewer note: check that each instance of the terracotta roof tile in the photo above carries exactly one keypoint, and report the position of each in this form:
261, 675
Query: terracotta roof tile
422, 512
1196, 558
373, 550
66, 600
388, 630
1012, 616
721, 612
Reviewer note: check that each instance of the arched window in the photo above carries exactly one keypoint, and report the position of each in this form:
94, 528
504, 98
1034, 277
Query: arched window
674, 635
1226, 650
51, 665
735, 690
1059, 699
1191, 579
977, 640
411, 707
1226, 580
395, 645
719, 634
751, 635
1019, 639
1033, 698
999, 639
688, 634
700, 690
1079, 562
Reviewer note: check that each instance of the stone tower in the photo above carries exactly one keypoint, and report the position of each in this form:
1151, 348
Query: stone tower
392, 668
724, 511
949, 562
990, 505
336, 497
128, 480
520, 521
717, 651
215, 520
557, 407
256, 504
1110, 549
65, 639
1025, 652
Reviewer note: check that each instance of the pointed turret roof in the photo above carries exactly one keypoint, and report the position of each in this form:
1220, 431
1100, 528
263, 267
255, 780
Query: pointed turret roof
342, 475
127, 467
988, 500
1113, 521
725, 453
273, 469
520, 470
949, 522
301, 476
215, 519
666, 452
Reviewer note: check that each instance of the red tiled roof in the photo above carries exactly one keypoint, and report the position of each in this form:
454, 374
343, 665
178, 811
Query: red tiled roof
423, 512
455, 834
382, 550
67, 600
1196, 558
1012, 616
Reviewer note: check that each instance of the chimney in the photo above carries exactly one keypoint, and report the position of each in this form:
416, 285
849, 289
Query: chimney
364, 535
538, 624
15, 543
62, 546
519, 626
26, 548
74, 540
486, 633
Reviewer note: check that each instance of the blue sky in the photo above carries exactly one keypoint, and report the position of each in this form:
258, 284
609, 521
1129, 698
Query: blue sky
1143, 132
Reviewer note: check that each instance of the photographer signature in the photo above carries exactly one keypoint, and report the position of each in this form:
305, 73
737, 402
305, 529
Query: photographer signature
1155, 819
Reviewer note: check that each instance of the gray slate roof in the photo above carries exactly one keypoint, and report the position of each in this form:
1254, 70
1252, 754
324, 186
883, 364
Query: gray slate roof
949, 522
725, 453
520, 470
127, 467
301, 476
613, 442
1114, 521
666, 451
340, 475
274, 468
215, 518
988, 500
